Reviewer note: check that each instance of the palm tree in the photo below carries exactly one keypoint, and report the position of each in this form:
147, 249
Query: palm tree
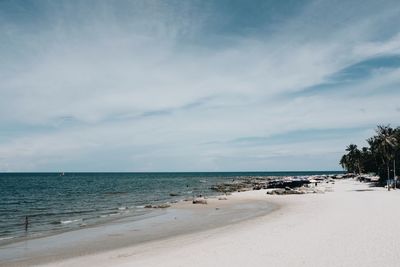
384, 148
386, 142
367, 164
344, 162
376, 156
354, 157
396, 145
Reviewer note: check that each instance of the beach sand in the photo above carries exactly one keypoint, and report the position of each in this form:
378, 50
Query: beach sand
354, 225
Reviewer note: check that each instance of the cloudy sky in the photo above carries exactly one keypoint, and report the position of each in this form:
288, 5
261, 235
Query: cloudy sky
194, 85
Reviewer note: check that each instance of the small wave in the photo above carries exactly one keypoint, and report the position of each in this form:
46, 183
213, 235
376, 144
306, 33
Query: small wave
115, 193
6, 238
70, 221
108, 215
47, 214
122, 208
11, 203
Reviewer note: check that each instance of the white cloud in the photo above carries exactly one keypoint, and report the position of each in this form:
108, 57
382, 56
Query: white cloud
108, 74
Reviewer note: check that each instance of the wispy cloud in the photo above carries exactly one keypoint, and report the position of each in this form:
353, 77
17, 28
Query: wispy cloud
167, 85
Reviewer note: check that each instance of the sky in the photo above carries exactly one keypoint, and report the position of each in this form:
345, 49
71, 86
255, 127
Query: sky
194, 85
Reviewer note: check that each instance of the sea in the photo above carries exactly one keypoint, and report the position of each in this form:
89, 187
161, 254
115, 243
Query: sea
57, 202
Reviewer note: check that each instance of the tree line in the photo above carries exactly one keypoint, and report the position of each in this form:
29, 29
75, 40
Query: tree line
379, 157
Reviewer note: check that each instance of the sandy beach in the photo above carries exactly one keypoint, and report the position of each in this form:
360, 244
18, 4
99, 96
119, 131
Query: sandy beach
351, 224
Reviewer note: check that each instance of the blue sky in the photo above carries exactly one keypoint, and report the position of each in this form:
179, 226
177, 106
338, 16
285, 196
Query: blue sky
194, 85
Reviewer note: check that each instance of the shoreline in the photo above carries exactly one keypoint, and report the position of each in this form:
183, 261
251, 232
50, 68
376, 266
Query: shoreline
352, 224
181, 218
104, 197
355, 225
237, 184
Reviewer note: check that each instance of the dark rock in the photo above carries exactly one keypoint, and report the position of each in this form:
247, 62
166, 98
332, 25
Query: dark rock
280, 183
199, 201
159, 206
281, 191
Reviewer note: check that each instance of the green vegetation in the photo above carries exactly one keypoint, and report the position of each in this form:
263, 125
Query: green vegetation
380, 157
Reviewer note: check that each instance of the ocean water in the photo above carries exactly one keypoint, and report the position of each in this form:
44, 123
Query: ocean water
56, 203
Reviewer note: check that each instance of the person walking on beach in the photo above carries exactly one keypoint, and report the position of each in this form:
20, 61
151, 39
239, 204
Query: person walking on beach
26, 223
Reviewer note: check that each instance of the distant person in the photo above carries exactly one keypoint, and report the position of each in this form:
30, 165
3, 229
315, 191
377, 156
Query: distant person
26, 223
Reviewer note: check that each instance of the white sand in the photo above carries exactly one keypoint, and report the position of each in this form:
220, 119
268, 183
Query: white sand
340, 228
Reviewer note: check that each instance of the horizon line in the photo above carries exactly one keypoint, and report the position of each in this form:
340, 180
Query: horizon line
254, 171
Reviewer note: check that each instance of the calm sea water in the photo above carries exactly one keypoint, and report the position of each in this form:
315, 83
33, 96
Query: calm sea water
55, 202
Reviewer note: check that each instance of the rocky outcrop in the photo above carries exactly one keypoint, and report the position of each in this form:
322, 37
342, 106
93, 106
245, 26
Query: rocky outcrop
258, 183
296, 191
283, 183
159, 206
199, 201
287, 184
285, 191
230, 187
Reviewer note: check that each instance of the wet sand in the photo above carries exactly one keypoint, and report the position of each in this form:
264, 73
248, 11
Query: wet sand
351, 224
182, 218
